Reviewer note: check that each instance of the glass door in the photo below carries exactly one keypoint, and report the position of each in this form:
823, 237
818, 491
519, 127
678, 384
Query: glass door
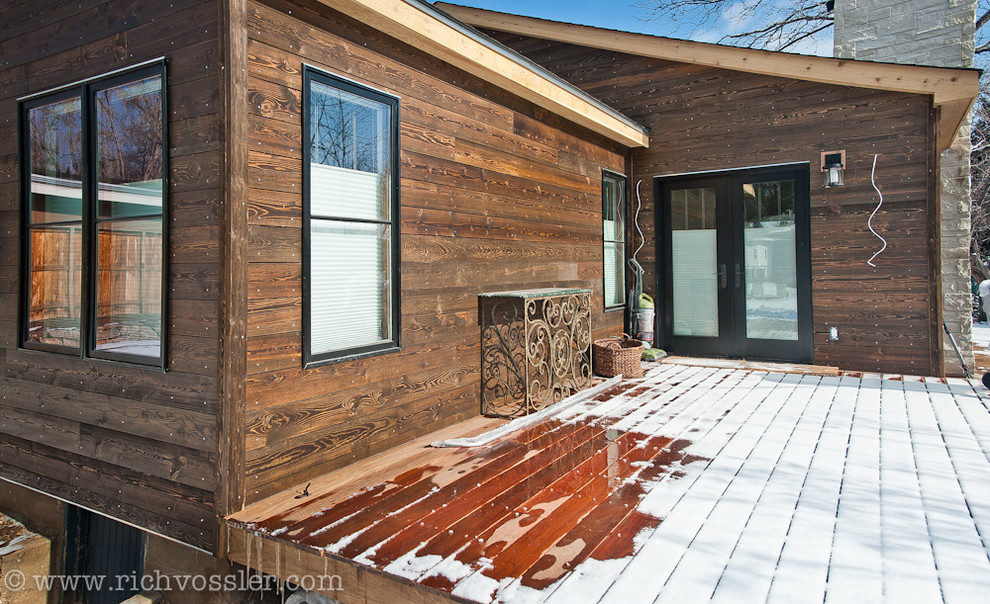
734, 272
697, 305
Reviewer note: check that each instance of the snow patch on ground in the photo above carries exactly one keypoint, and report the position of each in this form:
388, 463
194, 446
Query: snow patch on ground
453, 569
366, 557
14, 545
335, 548
412, 566
12, 536
477, 588
588, 580
981, 336
517, 593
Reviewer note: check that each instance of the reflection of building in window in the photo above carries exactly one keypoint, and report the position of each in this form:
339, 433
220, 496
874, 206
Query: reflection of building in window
351, 179
95, 219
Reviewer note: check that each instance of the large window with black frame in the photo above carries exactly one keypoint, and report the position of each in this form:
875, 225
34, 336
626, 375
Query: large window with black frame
94, 187
351, 230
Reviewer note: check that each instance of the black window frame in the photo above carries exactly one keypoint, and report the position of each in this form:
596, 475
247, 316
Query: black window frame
86, 91
393, 344
623, 182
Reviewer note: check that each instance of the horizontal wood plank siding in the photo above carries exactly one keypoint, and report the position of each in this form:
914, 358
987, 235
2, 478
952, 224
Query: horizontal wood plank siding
134, 443
707, 119
495, 195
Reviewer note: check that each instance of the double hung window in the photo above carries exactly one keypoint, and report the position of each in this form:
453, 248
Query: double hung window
93, 183
614, 227
350, 182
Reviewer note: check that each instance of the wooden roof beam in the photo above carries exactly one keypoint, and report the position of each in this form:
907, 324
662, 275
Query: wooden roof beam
424, 27
951, 115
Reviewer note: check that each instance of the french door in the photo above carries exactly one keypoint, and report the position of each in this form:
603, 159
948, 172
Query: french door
734, 271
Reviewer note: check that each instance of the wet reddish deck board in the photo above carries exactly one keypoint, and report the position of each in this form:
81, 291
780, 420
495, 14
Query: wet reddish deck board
472, 510
467, 507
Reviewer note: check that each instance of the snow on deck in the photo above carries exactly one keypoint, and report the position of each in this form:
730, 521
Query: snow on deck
692, 484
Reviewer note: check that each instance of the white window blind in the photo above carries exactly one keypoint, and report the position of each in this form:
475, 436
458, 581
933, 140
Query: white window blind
694, 259
349, 287
342, 192
613, 231
613, 268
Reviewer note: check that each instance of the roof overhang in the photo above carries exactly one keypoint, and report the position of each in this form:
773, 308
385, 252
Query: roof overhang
422, 26
953, 91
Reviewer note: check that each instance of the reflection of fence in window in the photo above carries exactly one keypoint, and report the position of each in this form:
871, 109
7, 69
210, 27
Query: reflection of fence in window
55, 281
129, 282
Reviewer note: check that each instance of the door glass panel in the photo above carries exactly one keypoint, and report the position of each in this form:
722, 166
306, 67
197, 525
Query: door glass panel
771, 276
694, 259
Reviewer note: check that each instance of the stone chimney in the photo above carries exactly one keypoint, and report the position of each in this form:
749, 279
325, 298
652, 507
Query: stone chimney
917, 32
939, 33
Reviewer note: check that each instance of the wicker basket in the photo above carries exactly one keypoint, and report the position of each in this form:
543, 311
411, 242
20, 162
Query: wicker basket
613, 356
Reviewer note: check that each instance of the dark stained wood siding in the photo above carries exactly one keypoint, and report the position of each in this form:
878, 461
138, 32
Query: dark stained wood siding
706, 119
137, 444
495, 195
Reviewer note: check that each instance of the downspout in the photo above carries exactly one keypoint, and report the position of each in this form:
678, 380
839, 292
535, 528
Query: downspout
936, 310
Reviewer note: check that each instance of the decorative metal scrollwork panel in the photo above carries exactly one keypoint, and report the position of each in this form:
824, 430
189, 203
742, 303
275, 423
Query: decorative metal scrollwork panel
535, 349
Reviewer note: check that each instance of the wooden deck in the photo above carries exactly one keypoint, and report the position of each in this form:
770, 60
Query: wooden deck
690, 484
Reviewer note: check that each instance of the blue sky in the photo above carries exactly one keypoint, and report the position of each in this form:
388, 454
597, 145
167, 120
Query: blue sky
625, 15
612, 14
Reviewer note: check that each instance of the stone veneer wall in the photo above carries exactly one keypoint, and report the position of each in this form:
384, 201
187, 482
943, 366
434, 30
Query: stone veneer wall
939, 33
918, 32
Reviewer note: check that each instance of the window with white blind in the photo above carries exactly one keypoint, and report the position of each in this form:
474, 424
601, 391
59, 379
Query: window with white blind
350, 180
614, 228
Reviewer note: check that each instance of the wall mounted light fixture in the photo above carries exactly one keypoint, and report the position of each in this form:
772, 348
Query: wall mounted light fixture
833, 166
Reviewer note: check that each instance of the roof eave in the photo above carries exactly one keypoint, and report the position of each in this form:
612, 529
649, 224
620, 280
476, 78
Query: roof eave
429, 29
953, 90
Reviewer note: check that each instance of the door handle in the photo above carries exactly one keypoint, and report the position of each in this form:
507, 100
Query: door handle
723, 276
739, 275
